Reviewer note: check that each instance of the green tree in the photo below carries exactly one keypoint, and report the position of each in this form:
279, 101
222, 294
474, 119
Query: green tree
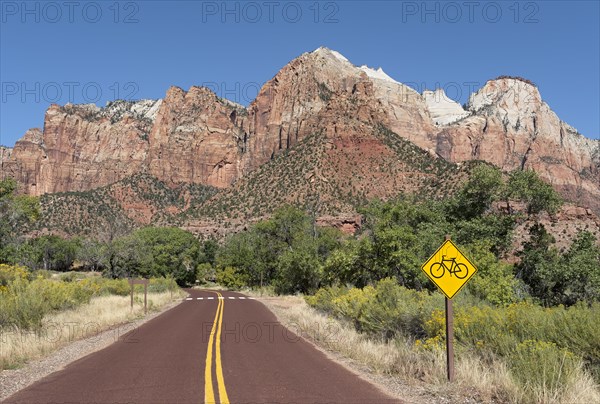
128, 257
205, 272
262, 254
579, 277
231, 278
495, 230
52, 252
210, 246
540, 264
172, 251
401, 234
484, 186
298, 269
527, 186
495, 281
342, 266
556, 279
93, 254
243, 251
16, 213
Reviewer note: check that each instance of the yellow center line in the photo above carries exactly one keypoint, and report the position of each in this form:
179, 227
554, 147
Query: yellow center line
215, 336
220, 381
209, 394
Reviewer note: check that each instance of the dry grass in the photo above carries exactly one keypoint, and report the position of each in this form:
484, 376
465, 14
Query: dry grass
19, 346
422, 372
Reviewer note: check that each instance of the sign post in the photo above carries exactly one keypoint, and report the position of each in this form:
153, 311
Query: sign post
144, 282
450, 270
449, 340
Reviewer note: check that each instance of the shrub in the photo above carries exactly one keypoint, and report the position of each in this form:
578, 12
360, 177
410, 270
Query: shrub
205, 272
9, 273
388, 309
24, 303
119, 287
543, 369
385, 309
324, 298
159, 285
231, 278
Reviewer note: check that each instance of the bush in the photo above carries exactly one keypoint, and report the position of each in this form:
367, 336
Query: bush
24, 303
8, 273
324, 298
231, 278
21, 307
387, 309
119, 287
160, 285
543, 368
205, 272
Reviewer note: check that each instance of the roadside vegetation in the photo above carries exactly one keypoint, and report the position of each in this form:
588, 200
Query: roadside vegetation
45, 304
527, 353
525, 325
42, 311
526, 320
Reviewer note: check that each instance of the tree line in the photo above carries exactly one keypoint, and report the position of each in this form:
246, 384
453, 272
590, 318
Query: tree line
290, 254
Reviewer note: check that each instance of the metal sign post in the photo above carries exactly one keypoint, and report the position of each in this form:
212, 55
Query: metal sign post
449, 340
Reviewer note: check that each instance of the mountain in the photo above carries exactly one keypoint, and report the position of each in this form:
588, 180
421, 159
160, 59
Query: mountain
322, 133
510, 126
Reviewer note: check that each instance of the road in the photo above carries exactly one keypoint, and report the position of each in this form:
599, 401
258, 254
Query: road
213, 347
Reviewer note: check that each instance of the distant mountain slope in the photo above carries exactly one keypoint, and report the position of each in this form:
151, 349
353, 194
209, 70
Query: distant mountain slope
131, 202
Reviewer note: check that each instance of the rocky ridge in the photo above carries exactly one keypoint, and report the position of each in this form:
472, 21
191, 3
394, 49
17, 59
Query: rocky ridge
196, 137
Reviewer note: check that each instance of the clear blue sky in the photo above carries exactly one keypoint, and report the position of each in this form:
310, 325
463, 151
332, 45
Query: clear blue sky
56, 52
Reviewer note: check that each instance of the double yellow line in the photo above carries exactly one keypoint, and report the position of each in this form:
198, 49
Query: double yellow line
215, 340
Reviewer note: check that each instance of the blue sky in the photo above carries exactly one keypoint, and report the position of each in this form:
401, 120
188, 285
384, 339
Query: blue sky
97, 51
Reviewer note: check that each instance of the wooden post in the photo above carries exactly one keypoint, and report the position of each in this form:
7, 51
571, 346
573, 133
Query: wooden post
131, 282
144, 282
449, 336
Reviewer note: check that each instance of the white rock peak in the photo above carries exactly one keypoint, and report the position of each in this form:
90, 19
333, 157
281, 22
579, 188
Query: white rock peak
442, 108
373, 73
326, 51
377, 74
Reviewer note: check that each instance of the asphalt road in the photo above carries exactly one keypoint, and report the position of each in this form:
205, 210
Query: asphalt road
213, 347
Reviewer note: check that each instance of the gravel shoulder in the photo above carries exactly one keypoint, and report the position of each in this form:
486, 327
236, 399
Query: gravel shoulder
13, 380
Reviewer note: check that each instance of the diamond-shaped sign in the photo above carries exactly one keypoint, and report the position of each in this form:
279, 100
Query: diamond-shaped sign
449, 269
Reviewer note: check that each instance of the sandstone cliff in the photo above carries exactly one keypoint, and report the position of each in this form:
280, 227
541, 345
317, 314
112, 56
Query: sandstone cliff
195, 137
5, 153
510, 126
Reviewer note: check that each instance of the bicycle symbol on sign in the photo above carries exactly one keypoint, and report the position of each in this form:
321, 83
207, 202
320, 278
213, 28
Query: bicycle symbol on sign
438, 269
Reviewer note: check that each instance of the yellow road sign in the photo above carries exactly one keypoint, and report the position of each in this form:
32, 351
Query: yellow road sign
449, 269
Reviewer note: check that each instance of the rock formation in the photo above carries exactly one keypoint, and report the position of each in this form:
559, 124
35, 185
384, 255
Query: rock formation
511, 127
197, 137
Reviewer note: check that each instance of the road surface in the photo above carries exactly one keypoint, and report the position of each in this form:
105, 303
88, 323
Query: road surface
214, 347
